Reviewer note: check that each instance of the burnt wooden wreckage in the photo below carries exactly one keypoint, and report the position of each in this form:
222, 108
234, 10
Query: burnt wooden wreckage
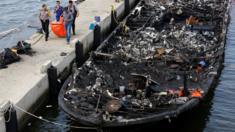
159, 62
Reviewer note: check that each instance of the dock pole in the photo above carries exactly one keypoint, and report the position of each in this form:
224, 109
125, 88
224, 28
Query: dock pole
53, 83
11, 120
80, 58
114, 22
8, 117
97, 36
127, 7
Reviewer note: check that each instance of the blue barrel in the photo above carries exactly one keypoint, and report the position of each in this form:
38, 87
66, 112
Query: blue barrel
92, 26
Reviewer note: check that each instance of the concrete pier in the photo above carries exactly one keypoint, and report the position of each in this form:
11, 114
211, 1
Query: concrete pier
25, 82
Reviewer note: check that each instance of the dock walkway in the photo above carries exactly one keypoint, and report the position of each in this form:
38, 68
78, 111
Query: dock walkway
23, 83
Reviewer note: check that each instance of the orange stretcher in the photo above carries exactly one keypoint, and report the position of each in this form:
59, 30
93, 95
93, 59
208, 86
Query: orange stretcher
58, 28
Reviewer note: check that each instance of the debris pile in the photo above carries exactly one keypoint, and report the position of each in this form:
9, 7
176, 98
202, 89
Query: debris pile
162, 57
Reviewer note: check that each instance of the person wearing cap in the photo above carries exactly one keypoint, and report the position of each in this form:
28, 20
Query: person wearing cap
75, 12
68, 20
44, 17
58, 10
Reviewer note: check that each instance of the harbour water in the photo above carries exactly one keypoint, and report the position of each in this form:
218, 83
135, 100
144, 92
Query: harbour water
23, 16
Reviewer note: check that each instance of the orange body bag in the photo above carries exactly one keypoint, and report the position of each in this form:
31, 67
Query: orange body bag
58, 28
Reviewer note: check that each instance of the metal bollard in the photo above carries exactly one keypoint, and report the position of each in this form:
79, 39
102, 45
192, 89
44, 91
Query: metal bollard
80, 58
97, 36
53, 83
11, 120
127, 7
113, 20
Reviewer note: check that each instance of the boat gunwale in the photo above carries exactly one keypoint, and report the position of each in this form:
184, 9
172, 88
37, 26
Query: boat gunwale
155, 117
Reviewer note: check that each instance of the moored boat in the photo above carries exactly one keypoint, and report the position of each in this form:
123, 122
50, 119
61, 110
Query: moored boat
159, 62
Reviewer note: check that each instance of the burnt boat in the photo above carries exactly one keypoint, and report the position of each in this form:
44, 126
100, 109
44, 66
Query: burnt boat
161, 61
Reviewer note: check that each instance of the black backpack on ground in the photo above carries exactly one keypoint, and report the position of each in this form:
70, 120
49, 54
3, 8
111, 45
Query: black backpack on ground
8, 57
23, 47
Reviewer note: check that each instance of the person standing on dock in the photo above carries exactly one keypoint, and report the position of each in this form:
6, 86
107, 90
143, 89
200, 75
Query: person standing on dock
44, 17
68, 20
58, 10
75, 12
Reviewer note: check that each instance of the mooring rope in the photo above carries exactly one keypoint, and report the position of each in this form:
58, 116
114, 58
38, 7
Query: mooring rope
114, 15
9, 113
55, 123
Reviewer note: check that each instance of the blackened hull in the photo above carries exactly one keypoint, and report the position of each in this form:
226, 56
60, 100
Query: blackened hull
86, 120
154, 117
92, 121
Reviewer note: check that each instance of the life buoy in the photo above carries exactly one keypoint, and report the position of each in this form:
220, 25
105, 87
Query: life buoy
58, 28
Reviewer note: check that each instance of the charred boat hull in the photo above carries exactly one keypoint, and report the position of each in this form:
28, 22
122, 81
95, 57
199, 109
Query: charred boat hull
91, 121
136, 76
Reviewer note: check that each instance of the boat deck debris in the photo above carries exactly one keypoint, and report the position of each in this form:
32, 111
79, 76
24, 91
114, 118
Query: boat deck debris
164, 55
